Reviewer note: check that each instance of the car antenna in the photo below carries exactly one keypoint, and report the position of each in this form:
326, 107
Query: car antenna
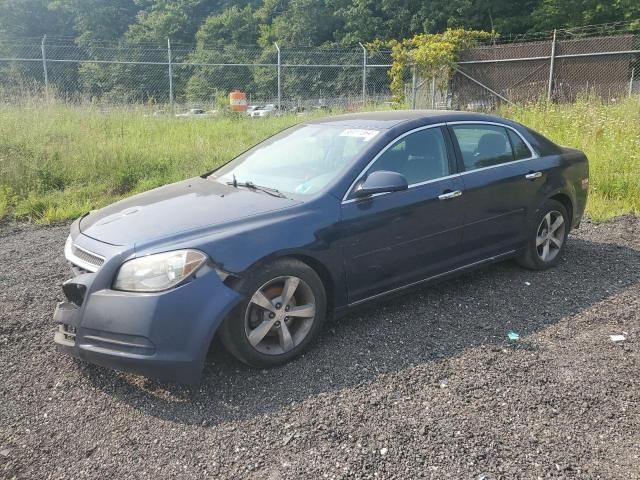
235, 182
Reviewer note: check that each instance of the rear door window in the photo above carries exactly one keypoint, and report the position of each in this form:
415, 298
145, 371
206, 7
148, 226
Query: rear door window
520, 149
542, 144
483, 145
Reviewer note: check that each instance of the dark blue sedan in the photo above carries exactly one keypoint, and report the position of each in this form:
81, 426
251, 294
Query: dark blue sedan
322, 217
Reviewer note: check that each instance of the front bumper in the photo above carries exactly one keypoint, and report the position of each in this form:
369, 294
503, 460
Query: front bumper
163, 335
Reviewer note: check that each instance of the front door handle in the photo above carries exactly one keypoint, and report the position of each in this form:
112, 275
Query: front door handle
533, 175
449, 195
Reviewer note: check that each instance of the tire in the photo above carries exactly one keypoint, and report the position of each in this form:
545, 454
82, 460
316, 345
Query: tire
545, 246
265, 330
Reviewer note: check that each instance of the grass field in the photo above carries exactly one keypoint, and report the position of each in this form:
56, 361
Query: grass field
57, 162
609, 135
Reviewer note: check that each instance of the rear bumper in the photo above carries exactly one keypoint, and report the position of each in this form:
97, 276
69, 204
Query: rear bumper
581, 202
163, 335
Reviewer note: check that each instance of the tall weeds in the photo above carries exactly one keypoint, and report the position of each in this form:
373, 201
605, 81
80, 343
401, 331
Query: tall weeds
58, 161
609, 133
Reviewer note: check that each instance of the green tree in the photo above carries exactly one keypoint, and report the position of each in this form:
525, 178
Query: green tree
502, 16
223, 38
233, 26
162, 19
32, 18
297, 22
366, 20
575, 13
179, 20
97, 19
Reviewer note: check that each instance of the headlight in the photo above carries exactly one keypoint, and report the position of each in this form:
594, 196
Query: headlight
158, 272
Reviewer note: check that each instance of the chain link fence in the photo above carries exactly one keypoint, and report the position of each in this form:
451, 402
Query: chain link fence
293, 79
557, 66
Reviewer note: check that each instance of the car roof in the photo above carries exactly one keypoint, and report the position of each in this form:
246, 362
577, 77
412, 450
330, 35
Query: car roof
391, 118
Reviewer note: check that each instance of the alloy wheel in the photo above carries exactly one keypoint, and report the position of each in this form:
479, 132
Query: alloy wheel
279, 316
550, 236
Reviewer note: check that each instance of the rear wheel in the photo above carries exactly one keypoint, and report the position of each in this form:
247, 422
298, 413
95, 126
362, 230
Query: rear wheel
284, 310
547, 236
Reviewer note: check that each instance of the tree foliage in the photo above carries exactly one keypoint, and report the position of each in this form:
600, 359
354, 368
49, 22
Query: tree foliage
31, 18
431, 55
296, 22
95, 20
225, 30
233, 26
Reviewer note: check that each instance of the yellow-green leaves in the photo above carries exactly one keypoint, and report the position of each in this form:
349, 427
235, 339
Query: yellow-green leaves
432, 55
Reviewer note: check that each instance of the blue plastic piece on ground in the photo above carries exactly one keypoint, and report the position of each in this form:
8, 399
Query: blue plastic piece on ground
513, 336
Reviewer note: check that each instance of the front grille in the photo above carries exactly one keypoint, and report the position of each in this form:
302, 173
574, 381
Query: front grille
87, 257
66, 335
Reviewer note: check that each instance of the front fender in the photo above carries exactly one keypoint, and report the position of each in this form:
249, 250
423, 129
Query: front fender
307, 230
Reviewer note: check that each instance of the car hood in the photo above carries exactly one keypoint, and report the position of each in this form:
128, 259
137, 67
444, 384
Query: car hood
189, 205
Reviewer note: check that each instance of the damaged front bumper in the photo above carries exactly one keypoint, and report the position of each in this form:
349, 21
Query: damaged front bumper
164, 335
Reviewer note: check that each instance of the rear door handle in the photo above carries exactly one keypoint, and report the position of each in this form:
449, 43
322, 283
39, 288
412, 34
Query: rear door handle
533, 175
449, 195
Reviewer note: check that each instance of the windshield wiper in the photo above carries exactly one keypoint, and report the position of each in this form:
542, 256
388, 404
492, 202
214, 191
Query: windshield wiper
252, 186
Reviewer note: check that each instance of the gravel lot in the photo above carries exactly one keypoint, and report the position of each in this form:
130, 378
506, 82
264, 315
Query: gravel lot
425, 385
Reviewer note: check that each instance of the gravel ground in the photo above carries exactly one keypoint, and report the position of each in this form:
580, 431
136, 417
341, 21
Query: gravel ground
425, 385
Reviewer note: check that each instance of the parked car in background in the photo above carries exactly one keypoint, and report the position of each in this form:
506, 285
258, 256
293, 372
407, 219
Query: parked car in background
266, 111
325, 216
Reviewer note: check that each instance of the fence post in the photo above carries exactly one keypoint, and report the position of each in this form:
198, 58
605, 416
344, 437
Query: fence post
414, 88
170, 74
433, 92
633, 71
552, 66
279, 78
364, 75
44, 66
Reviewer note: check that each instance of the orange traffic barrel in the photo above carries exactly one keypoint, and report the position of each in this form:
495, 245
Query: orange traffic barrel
238, 101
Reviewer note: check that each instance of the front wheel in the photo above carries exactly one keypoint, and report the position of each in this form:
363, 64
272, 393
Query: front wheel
284, 310
547, 236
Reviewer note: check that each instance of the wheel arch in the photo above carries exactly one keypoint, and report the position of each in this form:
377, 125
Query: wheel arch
565, 200
323, 272
319, 267
238, 284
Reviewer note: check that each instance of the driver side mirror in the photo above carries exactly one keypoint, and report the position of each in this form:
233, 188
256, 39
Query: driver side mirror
381, 181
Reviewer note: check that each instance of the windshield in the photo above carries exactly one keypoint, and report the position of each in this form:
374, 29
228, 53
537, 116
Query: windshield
302, 160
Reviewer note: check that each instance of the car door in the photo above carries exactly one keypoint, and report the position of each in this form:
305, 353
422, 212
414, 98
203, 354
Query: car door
500, 185
394, 239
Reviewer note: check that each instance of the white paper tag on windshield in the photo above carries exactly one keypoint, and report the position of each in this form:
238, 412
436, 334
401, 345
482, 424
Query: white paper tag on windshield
365, 135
